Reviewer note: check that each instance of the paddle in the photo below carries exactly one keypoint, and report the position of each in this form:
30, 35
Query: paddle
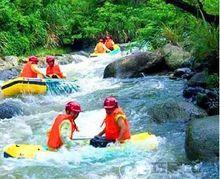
83, 138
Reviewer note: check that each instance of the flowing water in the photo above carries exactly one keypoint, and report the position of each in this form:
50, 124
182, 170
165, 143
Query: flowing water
136, 96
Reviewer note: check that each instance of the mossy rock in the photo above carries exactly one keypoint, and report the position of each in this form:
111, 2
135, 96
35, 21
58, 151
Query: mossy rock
202, 139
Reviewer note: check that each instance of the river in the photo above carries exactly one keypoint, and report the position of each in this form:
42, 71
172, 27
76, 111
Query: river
135, 96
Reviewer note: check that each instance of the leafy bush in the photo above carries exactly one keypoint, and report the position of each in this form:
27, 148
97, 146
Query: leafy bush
27, 25
213, 81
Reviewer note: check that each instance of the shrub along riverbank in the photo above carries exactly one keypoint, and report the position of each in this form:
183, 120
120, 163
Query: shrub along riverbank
55, 27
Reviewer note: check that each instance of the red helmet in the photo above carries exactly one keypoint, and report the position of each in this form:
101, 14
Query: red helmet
73, 106
110, 102
108, 37
33, 59
50, 59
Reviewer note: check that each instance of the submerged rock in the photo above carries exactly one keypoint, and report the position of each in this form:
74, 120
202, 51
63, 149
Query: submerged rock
199, 79
10, 109
135, 65
202, 139
171, 110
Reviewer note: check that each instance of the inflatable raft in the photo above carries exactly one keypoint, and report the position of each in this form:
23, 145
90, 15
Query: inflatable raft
113, 52
29, 151
22, 85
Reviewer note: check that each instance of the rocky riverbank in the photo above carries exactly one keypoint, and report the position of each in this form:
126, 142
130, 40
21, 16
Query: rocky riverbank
202, 100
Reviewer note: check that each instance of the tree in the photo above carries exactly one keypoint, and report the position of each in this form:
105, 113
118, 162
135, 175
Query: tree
197, 11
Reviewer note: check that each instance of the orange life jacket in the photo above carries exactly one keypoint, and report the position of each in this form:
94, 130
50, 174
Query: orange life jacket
109, 44
111, 126
100, 48
27, 71
54, 138
55, 70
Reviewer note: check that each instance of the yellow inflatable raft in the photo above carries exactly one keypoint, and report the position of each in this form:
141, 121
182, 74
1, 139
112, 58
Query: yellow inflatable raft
29, 151
113, 52
22, 85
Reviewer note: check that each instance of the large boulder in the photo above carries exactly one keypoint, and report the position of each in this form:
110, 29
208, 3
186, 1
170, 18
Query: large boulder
135, 65
176, 57
8, 109
173, 110
202, 139
199, 79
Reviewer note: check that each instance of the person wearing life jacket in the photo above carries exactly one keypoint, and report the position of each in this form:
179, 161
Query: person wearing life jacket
63, 127
109, 43
30, 69
53, 70
117, 127
100, 47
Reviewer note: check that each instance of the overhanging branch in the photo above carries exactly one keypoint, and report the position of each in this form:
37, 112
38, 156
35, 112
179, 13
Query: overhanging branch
212, 19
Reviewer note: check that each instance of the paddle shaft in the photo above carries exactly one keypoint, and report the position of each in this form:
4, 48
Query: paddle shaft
83, 138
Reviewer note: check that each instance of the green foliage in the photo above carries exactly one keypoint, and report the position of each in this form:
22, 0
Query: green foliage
170, 35
27, 25
211, 6
42, 52
204, 40
11, 44
213, 80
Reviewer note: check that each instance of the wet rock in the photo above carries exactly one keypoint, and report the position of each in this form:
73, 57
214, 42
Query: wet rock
8, 62
199, 79
185, 73
172, 77
202, 139
181, 71
190, 92
9, 73
12, 60
188, 76
9, 109
176, 57
209, 101
68, 58
135, 65
171, 110
4, 65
